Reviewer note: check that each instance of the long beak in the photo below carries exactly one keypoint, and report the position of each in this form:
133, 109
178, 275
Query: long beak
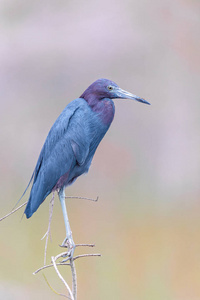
126, 95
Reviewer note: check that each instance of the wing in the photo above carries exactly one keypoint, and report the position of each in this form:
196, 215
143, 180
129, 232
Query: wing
66, 146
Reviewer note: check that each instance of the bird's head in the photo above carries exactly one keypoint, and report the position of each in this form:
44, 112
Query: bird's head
104, 88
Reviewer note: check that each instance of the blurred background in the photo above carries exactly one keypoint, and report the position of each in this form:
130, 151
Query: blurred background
146, 171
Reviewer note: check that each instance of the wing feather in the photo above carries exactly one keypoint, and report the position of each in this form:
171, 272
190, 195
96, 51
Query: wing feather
59, 154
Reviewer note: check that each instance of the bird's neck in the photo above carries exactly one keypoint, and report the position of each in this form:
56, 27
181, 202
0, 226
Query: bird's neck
104, 108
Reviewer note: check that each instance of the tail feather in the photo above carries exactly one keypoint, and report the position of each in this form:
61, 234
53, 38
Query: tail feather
37, 195
28, 211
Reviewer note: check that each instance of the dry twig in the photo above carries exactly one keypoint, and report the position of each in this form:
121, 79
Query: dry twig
64, 263
73, 292
70, 197
82, 198
49, 227
13, 211
62, 279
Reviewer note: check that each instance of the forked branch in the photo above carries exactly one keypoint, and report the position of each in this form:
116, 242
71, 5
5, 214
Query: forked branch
66, 262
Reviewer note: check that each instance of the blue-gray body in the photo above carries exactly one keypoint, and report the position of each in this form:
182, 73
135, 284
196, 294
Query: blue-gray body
68, 150
73, 139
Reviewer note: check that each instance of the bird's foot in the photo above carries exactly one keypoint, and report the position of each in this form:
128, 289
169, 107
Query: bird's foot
70, 245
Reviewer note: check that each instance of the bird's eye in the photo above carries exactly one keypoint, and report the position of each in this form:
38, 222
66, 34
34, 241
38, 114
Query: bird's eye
109, 87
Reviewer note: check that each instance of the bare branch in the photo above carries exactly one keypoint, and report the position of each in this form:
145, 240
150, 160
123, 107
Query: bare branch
82, 198
85, 245
77, 245
13, 211
74, 278
70, 197
62, 279
49, 266
73, 292
86, 255
49, 227
63, 263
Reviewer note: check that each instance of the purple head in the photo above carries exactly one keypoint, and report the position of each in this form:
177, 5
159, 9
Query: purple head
104, 88
99, 89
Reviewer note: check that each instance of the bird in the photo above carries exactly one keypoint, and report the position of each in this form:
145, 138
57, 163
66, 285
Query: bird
71, 144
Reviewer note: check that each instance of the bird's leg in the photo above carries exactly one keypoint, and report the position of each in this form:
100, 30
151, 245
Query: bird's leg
68, 241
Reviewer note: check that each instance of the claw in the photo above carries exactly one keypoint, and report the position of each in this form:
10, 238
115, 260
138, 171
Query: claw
70, 245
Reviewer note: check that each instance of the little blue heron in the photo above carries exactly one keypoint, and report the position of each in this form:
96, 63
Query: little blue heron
71, 143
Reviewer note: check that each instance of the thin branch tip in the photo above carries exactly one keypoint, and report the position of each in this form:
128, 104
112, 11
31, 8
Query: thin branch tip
85, 245
82, 198
13, 211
